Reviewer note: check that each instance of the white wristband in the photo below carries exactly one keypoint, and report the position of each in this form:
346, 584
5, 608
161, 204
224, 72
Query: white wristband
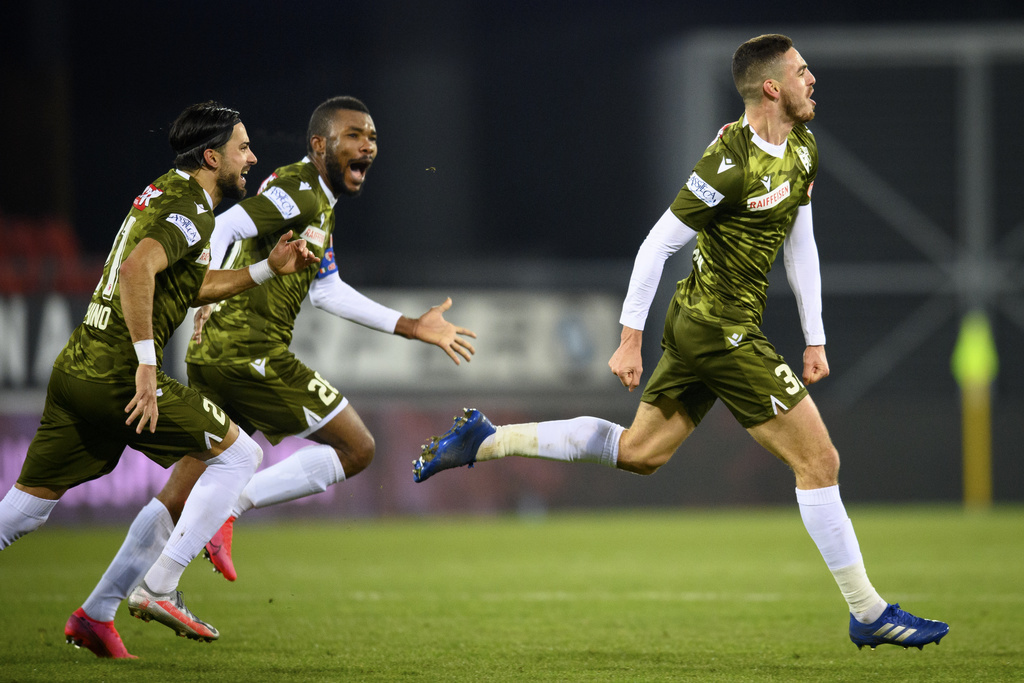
145, 351
260, 272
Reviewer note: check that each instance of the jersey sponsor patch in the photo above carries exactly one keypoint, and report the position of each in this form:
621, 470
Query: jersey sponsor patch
204, 258
284, 203
703, 190
327, 264
150, 193
767, 201
810, 188
187, 227
314, 235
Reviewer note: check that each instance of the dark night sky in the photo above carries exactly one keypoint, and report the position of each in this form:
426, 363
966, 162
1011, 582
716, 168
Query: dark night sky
529, 112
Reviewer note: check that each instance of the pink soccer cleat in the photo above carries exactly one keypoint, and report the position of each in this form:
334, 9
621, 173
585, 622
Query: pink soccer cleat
218, 551
100, 637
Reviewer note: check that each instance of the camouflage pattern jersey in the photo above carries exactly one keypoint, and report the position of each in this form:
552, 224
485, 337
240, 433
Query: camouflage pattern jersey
178, 213
259, 322
742, 201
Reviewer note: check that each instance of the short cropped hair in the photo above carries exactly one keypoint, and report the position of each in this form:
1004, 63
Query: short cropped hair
757, 60
320, 121
204, 126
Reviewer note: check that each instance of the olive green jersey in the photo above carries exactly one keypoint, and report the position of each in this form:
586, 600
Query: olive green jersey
742, 199
178, 213
259, 322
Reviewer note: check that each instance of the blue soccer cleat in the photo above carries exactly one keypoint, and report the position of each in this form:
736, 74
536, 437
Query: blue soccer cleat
456, 447
897, 627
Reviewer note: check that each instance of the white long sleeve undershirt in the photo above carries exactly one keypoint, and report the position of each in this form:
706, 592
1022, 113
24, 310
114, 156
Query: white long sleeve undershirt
668, 236
800, 254
331, 293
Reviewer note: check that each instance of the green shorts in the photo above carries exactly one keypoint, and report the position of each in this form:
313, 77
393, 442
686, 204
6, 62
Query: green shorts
702, 361
83, 432
278, 396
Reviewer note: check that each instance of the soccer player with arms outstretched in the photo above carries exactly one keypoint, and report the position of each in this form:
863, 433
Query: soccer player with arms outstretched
748, 196
240, 355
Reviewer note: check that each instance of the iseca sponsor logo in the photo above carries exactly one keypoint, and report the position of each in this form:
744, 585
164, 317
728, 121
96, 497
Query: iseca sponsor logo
767, 201
187, 227
283, 201
703, 191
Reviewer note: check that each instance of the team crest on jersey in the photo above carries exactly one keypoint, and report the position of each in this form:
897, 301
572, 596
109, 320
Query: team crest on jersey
204, 258
767, 201
187, 227
703, 190
263, 185
150, 193
805, 157
314, 236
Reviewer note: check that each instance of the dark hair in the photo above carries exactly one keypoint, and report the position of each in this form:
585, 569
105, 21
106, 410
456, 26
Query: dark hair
757, 60
320, 121
200, 127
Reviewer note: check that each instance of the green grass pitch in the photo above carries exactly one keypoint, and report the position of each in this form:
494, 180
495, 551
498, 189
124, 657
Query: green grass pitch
672, 595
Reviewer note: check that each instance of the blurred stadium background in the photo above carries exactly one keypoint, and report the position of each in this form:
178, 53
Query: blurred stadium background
525, 150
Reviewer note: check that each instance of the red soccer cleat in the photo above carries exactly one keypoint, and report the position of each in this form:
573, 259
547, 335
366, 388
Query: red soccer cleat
218, 551
100, 637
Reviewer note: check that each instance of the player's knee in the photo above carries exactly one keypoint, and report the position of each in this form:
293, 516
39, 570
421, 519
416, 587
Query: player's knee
356, 457
640, 462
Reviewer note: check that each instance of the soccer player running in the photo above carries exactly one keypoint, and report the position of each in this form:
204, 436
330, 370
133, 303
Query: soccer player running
110, 367
749, 195
240, 356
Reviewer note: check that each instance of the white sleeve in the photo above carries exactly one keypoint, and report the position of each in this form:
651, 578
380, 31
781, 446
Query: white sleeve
231, 226
667, 237
801, 257
334, 295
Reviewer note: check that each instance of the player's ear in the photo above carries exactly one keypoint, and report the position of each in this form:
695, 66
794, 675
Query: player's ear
210, 158
318, 143
771, 89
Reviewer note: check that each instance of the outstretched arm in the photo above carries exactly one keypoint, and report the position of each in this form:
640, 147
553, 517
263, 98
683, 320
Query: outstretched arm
332, 294
285, 259
432, 328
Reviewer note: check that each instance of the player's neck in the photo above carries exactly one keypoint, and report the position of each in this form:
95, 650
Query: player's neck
768, 125
207, 179
321, 167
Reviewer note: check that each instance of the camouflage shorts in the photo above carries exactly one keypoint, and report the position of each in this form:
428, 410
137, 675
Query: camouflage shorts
83, 432
704, 361
279, 395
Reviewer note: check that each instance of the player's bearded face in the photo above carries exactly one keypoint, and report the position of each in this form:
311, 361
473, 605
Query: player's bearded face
798, 107
336, 172
231, 182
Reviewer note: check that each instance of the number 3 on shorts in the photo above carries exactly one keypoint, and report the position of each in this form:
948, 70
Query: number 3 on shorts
789, 378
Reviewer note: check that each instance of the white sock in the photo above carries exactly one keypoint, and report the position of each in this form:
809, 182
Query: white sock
146, 537
582, 439
832, 531
21, 513
307, 471
206, 508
